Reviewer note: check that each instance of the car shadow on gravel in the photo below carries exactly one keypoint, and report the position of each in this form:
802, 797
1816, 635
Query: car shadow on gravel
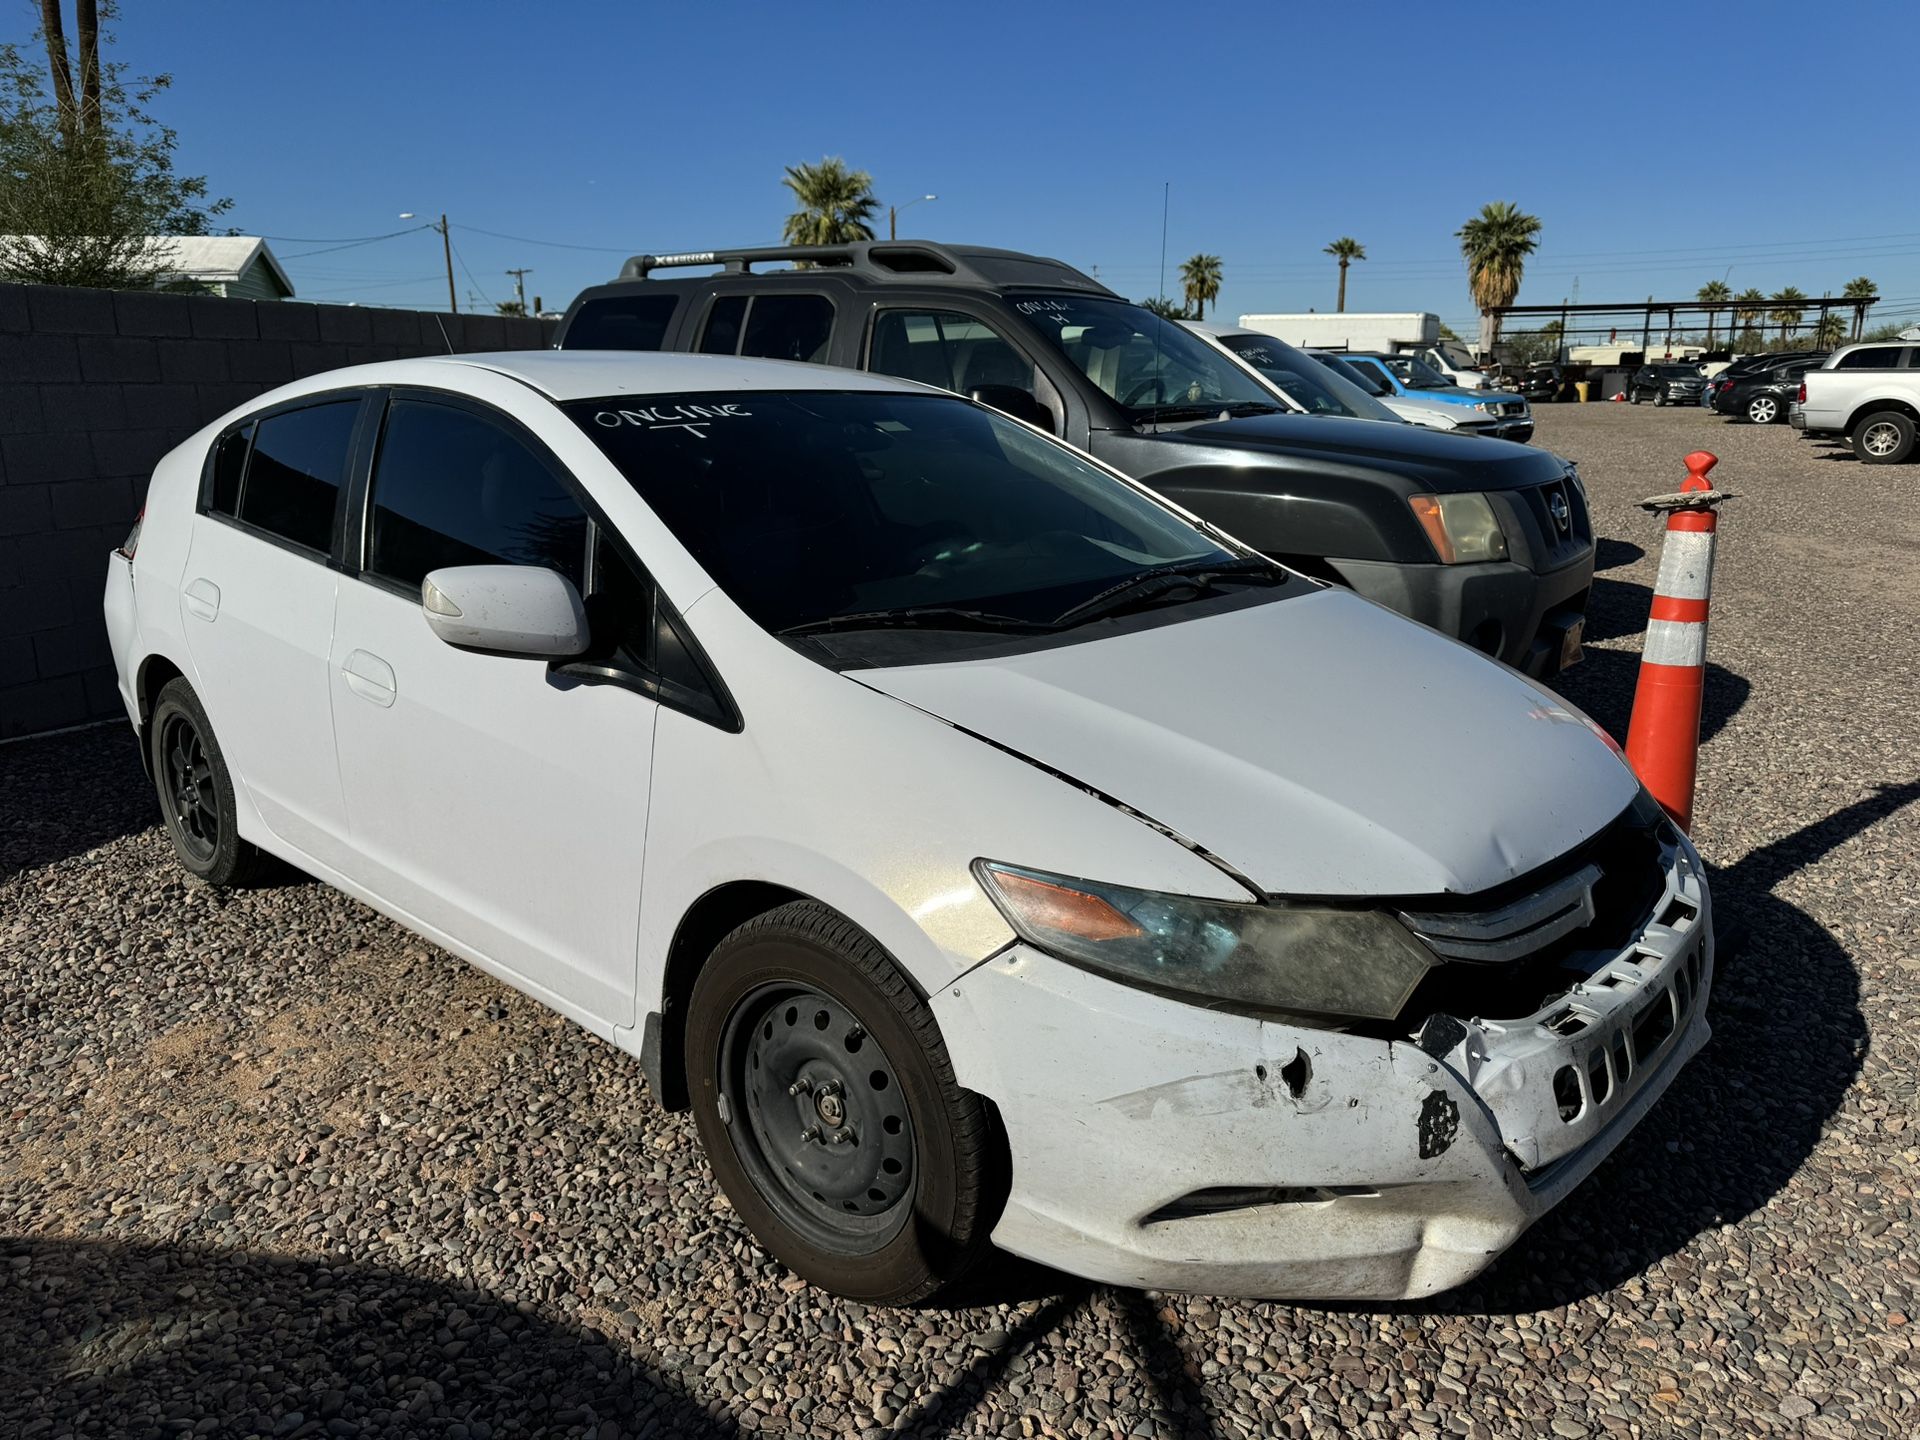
63, 795
1602, 685
109, 1339
1788, 1040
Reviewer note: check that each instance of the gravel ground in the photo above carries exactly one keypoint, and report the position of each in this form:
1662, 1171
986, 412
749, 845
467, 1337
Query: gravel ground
273, 1166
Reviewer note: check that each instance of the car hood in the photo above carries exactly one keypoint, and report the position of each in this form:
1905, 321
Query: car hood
1440, 461
1319, 745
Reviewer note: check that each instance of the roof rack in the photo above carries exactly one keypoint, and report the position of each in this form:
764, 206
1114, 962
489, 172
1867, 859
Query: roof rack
899, 260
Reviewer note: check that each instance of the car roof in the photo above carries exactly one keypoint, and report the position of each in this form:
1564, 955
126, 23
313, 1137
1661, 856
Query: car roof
1207, 327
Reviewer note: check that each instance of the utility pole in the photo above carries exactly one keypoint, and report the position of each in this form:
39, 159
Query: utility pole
446, 246
520, 285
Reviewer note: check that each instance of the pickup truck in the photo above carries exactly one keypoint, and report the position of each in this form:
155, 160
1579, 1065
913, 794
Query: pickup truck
1487, 542
1870, 393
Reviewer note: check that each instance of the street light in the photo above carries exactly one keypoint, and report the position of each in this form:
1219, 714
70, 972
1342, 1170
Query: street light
893, 214
446, 246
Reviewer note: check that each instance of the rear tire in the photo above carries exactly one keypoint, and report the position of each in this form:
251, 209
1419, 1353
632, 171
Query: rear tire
1633, 396
829, 1111
1884, 438
1763, 410
195, 789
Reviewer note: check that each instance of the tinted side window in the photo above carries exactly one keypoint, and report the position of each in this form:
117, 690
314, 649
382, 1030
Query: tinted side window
789, 327
944, 348
229, 464
624, 322
1372, 371
453, 488
722, 335
1878, 357
299, 464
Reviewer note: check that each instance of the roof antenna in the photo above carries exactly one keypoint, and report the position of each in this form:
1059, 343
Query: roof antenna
443, 334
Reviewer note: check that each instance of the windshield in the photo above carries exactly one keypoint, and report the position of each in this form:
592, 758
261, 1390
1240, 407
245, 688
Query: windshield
1293, 373
1154, 368
1454, 354
1677, 372
1415, 373
810, 505
1359, 375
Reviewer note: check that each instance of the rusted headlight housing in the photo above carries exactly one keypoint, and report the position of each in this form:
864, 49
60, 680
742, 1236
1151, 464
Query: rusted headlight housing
1313, 963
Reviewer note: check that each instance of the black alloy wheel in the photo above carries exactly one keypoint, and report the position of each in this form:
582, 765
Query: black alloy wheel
186, 785
196, 791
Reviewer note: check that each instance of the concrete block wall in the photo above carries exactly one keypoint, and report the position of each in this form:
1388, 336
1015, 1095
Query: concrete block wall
97, 385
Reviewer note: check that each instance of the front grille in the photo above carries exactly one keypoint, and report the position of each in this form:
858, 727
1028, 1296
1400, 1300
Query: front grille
1551, 503
1508, 951
1512, 407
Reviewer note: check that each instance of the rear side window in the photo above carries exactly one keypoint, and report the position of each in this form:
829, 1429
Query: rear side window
623, 322
770, 327
229, 464
1877, 357
942, 347
453, 488
299, 462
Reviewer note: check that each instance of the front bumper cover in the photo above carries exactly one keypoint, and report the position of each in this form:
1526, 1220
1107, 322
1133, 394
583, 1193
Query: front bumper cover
1161, 1145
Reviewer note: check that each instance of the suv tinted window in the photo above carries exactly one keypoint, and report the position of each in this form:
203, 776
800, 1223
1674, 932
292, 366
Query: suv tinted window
453, 488
722, 335
789, 327
942, 347
1877, 357
298, 466
622, 322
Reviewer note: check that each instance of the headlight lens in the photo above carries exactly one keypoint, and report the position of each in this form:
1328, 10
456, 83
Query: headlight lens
1462, 528
1488, 406
1310, 963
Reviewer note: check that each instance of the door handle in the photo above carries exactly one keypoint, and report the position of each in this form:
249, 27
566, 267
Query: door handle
202, 599
370, 677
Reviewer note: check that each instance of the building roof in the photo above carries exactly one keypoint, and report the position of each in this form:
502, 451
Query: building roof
215, 257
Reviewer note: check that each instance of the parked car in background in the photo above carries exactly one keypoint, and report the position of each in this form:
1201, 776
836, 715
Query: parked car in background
985, 851
1869, 393
1291, 374
1542, 383
1409, 375
1753, 364
1679, 383
1762, 397
1415, 409
1505, 564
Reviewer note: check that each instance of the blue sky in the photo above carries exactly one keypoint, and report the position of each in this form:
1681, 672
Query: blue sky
1660, 144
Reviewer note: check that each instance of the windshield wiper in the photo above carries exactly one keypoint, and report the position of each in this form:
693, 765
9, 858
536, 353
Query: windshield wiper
925, 617
1163, 580
1154, 414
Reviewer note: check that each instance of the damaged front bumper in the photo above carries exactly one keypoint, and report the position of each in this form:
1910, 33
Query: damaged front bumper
1162, 1145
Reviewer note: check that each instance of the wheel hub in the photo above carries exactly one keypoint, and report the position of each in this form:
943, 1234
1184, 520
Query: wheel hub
820, 1125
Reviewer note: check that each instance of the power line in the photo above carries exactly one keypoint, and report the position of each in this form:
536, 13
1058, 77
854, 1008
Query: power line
469, 273
347, 244
555, 244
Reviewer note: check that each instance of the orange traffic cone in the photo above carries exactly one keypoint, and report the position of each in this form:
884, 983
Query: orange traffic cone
1663, 738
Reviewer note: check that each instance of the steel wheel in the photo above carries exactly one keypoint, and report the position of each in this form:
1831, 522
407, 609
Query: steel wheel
192, 801
1763, 410
819, 1119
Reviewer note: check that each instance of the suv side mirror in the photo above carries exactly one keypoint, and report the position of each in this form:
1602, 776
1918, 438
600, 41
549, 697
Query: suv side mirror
507, 609
1012, 400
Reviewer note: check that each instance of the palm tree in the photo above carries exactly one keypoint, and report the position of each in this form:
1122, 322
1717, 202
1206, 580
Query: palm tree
1714, 292
1496, 243
1860, 288
1346, 250
1200, 274
1829, 330
835, 203
1748, 306
1787, 306
1163, 307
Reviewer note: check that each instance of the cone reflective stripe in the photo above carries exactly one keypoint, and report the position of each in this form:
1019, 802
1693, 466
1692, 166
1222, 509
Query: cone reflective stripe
1663, 738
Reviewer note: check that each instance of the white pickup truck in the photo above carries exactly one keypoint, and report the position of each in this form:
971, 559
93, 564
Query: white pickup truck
1869, 393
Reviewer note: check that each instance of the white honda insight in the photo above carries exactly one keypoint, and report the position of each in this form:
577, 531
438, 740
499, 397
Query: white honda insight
983, 847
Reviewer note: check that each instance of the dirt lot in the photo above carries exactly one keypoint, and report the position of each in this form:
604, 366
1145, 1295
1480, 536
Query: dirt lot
272, 1166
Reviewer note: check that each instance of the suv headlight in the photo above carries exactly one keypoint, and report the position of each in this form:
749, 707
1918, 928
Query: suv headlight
1307, 962
1462, 528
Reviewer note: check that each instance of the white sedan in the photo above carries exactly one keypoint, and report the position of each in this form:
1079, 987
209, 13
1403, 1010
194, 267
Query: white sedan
985, 849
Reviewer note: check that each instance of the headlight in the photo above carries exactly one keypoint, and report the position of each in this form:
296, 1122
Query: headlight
1462, 528
1488, 406
1305, 962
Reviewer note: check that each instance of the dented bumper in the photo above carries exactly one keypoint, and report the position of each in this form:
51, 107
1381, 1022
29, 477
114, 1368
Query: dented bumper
1161, 1145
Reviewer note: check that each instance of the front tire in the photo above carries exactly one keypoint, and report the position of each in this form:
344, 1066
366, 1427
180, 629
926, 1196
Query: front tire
1884, 439
828, 1108
1659, 399
195, 788
1763, 410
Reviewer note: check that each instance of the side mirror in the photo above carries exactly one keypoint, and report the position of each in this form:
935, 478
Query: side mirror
1012, 400
507, 609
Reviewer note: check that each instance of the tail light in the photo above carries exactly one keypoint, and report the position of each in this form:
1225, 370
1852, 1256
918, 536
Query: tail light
132, 542
1802, 396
